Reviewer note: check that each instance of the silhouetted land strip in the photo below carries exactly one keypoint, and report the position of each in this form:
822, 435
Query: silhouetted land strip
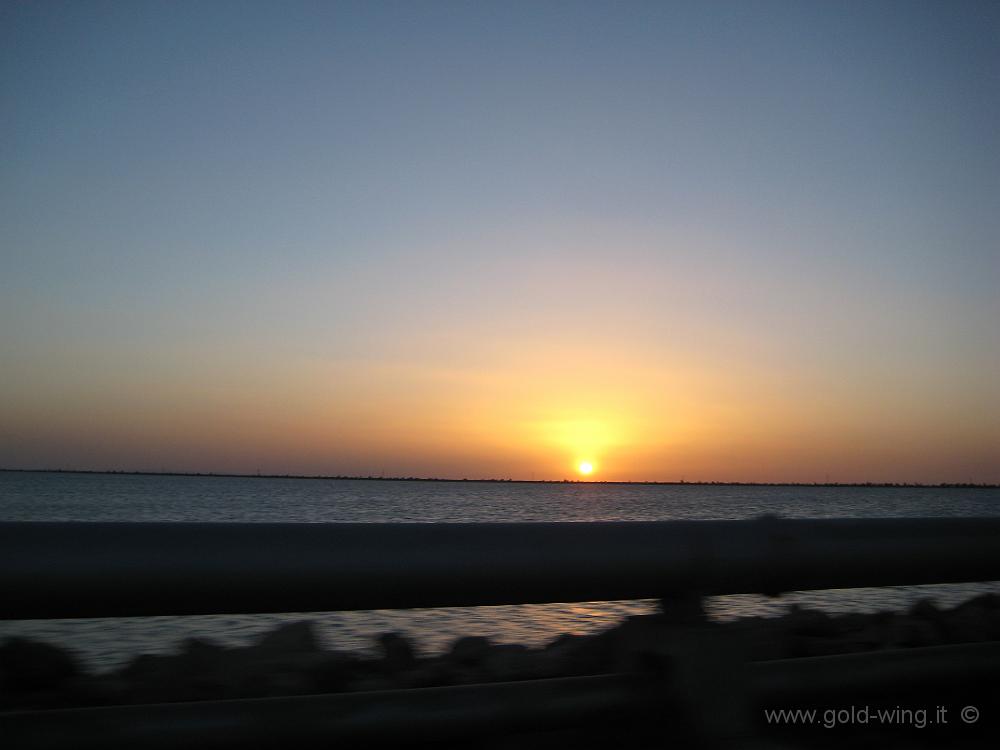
487, 480
292, 661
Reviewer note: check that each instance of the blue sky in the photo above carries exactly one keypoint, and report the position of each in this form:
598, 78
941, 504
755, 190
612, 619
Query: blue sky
283, 218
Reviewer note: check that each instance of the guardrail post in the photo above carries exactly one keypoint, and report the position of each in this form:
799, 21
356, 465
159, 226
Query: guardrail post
708, 684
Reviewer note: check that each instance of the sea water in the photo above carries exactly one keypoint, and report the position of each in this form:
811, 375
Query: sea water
108, 642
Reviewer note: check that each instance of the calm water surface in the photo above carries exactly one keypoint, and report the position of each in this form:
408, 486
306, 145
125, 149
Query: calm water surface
106, 643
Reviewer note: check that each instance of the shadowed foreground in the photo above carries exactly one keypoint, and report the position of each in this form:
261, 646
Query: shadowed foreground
673, 664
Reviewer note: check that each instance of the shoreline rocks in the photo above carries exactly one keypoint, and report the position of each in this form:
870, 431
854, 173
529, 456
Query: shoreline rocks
290, 660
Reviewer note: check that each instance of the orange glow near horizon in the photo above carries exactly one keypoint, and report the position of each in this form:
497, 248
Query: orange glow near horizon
521, 411
488, 248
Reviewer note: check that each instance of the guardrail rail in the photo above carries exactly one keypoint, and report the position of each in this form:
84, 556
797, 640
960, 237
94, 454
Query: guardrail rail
75, 570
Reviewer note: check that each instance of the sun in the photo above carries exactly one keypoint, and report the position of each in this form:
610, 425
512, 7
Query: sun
585, 467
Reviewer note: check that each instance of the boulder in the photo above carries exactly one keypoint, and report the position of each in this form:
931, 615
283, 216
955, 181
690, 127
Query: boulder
293, 638
926, 609
968, 622
510, 661
470, 651
904, 631
200, 670
397, 653
336, 672
683, 609
28, 665
810, 622
40, 675
569, 655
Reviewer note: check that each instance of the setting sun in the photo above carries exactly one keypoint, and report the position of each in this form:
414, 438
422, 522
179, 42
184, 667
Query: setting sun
585, 467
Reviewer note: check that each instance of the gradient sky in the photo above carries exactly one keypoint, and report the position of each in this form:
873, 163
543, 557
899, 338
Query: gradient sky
746, 241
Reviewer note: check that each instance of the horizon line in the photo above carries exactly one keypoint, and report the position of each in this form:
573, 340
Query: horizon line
508, 480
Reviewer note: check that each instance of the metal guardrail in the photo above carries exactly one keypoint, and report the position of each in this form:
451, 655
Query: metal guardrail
50, 570
395, 717
62, 570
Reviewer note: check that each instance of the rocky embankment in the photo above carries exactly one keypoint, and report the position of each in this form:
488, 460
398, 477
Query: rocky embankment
290, 660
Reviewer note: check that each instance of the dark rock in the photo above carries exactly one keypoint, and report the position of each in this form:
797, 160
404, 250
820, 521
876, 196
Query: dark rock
810, 645
470, 651
809, 632
103, 690
507, 662
642, 643
28, 665
993, 620
293, 638
199, 655
152, 678
683, 610
571, 654
810, 622
761, 638
145, 666
556, 656
849, 624
336, 672
874, 636
284, 682
632, 645
374, 682
397, 653
201, 670
926, 609
289, 659
988, 602
987, 606
429, 673
911, 632
968, 622
207, 669
253, 675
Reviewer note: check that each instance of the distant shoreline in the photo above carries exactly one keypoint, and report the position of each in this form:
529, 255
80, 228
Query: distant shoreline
678, 483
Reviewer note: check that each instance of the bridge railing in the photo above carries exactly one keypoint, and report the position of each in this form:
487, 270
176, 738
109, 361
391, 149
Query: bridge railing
64, 570
71, 570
